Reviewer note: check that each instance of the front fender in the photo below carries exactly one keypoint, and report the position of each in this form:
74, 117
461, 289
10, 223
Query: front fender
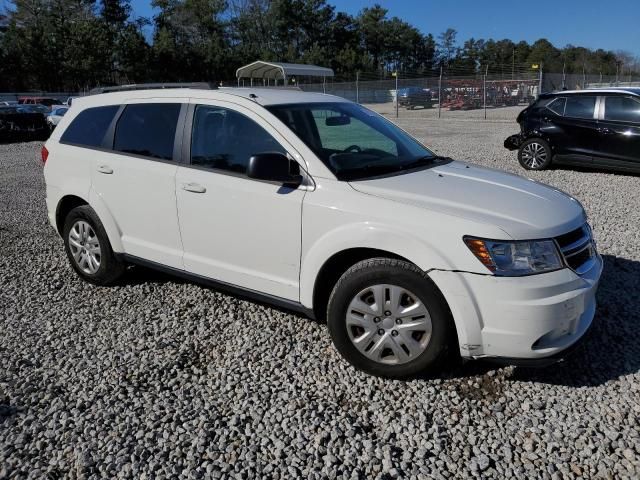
365, 235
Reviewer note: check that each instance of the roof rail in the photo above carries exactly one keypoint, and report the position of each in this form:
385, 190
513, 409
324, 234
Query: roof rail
150, 86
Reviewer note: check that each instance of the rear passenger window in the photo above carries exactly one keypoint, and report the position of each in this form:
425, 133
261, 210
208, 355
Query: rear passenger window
147, 129
226, 140
557, 106
580, 106
624, 109
90, 126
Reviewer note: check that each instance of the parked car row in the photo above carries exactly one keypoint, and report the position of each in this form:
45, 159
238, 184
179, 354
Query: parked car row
24, 119
20, 124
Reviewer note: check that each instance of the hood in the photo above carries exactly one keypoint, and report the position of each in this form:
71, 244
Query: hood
524, 209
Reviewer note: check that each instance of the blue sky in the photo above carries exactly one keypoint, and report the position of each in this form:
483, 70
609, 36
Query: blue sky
611, 25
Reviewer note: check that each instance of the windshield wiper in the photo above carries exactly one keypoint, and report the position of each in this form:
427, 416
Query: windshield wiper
422, 161
365, 171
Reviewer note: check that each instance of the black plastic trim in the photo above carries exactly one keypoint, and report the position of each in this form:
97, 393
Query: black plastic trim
222, 286
107, 140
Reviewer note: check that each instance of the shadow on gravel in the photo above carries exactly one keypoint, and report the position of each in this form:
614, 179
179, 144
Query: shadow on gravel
138, 275
611, 349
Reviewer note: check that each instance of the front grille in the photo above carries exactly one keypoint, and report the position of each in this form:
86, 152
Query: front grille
578, 249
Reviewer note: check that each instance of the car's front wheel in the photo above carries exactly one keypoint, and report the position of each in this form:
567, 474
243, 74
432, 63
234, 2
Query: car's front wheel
387, 318
89, 249
534, 154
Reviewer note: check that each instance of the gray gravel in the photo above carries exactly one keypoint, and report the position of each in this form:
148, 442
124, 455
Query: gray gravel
157, 378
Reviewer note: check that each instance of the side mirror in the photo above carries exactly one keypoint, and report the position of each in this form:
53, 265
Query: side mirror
274, 167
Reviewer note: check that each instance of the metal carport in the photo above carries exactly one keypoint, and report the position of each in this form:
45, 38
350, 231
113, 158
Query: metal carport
280, 71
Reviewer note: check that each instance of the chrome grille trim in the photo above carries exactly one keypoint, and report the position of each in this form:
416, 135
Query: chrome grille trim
577, 248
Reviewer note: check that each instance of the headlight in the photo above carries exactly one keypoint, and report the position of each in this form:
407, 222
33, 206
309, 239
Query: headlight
513, 258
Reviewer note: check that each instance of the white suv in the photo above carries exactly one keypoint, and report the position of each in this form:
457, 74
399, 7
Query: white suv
317, 204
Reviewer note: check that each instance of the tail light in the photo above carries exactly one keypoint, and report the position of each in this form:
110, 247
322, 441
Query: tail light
44, 153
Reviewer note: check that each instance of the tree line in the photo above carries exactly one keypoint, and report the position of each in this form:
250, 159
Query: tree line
79, 44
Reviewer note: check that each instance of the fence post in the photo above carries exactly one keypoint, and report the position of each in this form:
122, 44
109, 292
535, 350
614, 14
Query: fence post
440, 92
357, 87
540, 81
397, 99
484, 90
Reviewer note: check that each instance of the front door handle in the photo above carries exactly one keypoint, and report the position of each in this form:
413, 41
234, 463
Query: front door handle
193, 187
106, 169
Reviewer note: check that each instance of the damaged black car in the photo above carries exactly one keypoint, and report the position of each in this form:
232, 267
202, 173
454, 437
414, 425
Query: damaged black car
19, 125
587, 128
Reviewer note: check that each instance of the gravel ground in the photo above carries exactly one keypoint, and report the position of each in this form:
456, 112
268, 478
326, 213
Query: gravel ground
158, 378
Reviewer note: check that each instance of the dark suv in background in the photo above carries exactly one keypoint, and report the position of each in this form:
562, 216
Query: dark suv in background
598, 128
411, 97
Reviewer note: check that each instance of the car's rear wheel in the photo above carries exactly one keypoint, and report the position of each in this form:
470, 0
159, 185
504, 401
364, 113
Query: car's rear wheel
534, 154
88, 247
387, 318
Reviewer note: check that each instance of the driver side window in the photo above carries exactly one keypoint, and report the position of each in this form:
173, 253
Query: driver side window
340, 136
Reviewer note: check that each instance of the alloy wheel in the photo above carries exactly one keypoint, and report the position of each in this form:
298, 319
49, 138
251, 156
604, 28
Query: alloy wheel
85, 247
534, 155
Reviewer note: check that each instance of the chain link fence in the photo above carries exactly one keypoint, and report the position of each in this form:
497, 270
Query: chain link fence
496, 94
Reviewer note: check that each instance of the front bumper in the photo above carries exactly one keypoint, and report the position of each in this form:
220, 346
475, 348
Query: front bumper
521, 320
513, 142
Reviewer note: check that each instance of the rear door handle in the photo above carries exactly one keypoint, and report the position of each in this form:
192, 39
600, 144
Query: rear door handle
105, 169
193, 187
605, 131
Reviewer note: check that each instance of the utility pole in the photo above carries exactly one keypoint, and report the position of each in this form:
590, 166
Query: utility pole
357, 87
513, 65
564, 76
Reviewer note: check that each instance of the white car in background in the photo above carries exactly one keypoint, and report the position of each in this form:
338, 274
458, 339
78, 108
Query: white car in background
55, 116
314, 203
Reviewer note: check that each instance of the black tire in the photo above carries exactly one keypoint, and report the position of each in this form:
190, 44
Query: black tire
111, 267
535, 154
407, 276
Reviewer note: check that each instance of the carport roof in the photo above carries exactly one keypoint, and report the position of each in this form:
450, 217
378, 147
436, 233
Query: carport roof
277, 70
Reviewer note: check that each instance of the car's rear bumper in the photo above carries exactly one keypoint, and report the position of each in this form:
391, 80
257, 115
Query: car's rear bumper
520, 320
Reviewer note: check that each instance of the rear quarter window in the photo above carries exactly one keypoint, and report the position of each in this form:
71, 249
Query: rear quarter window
557, 105
90, 126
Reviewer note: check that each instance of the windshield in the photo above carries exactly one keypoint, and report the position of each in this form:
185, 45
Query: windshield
352, 141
